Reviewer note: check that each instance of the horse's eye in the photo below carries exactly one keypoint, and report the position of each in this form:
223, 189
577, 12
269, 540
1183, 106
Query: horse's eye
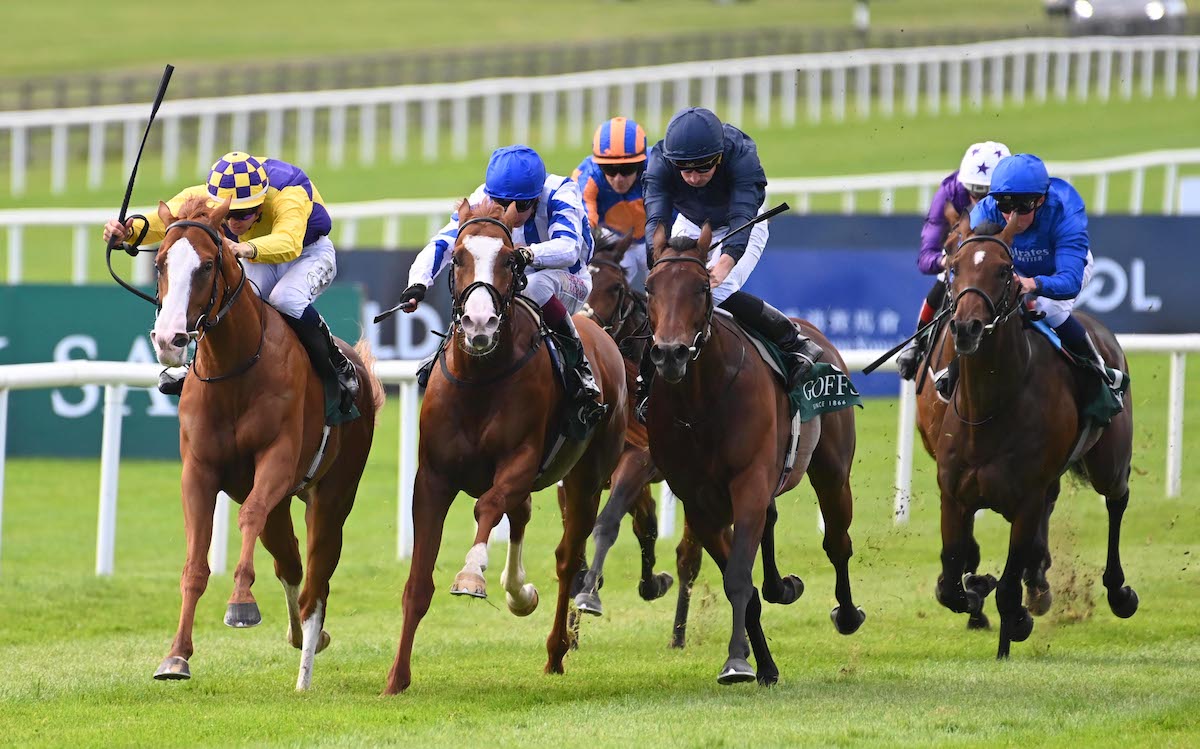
615, 288
208, 266
1005, 271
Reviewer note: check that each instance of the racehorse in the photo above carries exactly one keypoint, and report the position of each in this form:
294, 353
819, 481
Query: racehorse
490, 426
252, 424
621, 312
1008, 432
719, 429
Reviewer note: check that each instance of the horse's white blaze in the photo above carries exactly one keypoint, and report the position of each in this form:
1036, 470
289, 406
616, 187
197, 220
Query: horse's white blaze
979, 256
182, 263
312, 637
479, 306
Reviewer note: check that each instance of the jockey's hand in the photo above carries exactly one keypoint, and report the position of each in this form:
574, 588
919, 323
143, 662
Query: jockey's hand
718, 273
1028, 285
526, 256
114, 228
240, 249
412, 297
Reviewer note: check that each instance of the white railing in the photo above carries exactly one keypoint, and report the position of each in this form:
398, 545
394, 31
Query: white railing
933, 79
432, 213
117, 377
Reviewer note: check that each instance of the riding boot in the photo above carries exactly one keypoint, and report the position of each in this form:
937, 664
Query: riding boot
169, 384
945, 384
641, 398
326, 356
1085, 350
587, 409
776, 326
909, 360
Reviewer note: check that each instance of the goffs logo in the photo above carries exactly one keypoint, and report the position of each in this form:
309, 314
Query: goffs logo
833, 384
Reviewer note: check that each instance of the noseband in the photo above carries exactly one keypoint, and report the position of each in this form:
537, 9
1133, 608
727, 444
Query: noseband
702, 336
502, 302
999, 315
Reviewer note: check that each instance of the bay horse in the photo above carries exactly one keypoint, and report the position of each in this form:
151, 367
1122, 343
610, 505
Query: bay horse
621, 312
490, 427
251, 424
1007, 434
719, 425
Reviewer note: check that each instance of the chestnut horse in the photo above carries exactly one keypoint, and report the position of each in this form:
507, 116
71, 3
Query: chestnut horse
490, 427
719, 424
1006, 436
622, 313
251, 423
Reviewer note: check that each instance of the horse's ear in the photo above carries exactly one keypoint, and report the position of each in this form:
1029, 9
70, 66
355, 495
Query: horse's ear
951, 214
219, 213
464, 211
1009, 231
658, 242
164, 214
960, 229
705, 239
622, 246
510, 215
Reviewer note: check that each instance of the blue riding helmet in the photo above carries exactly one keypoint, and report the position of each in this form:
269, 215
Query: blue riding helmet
515, 173
693, 134
1020, 174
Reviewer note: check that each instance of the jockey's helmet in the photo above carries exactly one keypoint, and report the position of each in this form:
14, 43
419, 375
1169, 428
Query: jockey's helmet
239, 177
1020, 174
619, 141
515, 173
694, 135
978, 164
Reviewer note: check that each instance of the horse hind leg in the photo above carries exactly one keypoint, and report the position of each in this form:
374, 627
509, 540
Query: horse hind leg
521, 597
279, 538
829, 474
688, 556
1108, 469
578, 501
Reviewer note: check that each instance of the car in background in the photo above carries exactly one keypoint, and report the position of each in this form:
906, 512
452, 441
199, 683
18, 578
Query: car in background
1121, 16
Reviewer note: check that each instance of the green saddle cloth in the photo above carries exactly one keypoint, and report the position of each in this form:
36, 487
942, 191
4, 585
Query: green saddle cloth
333, 399
825, 389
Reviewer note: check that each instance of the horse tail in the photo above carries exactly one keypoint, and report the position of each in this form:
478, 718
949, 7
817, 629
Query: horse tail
363, 349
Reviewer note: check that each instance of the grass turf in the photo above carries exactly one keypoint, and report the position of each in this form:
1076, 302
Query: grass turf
77, 652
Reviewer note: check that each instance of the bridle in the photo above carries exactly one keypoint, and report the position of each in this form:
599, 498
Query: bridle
1012, 301
702, 336
626, 300
502, 302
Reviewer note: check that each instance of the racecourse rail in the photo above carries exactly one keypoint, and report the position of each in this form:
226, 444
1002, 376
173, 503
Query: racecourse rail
117, 377
931, 79
84, 223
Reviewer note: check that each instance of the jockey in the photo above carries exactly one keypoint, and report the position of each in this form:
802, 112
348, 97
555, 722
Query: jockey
1051, 258
710, 172
277, 222
610, 181
961, 190
553, 227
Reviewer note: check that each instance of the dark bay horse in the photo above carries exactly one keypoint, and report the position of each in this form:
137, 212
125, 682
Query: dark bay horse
718, 425
1006, 436
489, 423
251, 423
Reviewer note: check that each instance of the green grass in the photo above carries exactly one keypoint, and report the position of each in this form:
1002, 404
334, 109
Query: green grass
923, 142
77, 652
141, 33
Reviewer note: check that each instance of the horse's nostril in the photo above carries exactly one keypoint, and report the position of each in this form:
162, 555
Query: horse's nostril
976, 327
656, 354
180, 340
680, 352
466, 320
492, 324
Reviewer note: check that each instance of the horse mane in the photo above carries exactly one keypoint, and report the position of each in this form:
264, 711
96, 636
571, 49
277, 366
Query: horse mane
195, 208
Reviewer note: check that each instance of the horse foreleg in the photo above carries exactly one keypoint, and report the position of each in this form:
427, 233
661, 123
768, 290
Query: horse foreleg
956, 537
750, 496
688, 556
1015, 622
279, 538
432, 496
578, 503
510, 485
272, 479
776, 589
1037, 590
521, 597
199, 494
653, 585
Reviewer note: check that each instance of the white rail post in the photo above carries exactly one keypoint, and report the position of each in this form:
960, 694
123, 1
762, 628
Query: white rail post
666, 512
409, 416
218, 547
15, 254
17, 160
110, 460
79, 246
1174, 424
3, 454
904, 450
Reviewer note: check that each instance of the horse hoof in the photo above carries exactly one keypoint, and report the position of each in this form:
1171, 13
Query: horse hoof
656, 587
981, 585
173, 668
677, 643
323, 642
1123, 602
469, 584
1038, 600
792, 587
589, 603
1019, 628
242, 615
978, 621
769, 679
736, 671
849, 623
515, 606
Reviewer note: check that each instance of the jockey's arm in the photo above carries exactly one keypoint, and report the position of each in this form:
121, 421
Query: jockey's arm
933, 234
567, 223
656, 194
590, 192
1070, 241
435, 256
157, 229
292, 209
747, 195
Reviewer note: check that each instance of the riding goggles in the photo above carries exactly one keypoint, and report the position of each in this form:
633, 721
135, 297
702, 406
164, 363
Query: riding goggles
621, 170
703, 165
522, 205
241, 214
1020, 204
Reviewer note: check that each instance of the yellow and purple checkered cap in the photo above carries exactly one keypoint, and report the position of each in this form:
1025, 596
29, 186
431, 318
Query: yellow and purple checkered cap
239, 177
